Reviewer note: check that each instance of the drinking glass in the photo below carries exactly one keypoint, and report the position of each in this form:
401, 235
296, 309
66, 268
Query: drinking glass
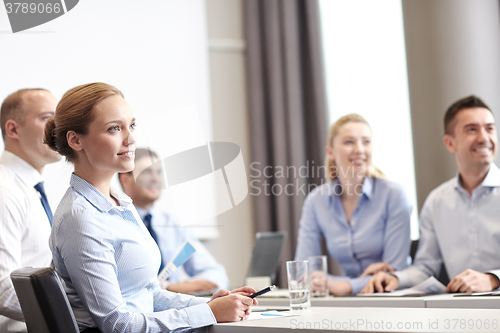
298, 284
318, 271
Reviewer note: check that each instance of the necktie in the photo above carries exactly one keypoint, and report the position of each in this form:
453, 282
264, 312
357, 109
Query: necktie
45, 202
147, 223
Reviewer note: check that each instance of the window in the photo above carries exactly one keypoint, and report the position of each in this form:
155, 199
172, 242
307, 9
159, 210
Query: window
365, 63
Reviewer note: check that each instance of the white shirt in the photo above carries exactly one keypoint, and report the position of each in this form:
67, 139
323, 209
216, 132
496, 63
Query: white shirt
24, 233
457, 229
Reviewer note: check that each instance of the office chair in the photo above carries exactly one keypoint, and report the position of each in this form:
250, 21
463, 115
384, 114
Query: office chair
44, 303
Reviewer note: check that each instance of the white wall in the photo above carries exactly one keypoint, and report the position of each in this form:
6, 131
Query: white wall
155, 52
230, 123
453, 47
365, 62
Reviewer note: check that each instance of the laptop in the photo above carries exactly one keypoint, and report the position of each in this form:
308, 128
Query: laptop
266, 254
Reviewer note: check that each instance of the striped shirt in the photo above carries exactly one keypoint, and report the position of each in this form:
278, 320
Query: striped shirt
108, 262
24, 233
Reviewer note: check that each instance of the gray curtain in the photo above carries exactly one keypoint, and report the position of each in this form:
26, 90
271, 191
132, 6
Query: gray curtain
288, 113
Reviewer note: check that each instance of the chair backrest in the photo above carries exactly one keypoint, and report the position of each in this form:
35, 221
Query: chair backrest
44, 303
443, 274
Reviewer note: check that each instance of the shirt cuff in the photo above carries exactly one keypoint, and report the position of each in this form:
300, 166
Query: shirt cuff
495, 272
164, 284
357, 284
200, 315
404, 282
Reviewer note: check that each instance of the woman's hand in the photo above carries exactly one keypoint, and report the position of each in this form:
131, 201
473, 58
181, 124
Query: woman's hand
220, 293
381, 282
230, 307
377, 267
243, 291
318, 281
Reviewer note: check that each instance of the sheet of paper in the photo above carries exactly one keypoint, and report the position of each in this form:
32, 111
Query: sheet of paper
487, 293
429, 286
185, 252
269, 315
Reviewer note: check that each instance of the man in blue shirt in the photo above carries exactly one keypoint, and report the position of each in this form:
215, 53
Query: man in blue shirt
143, 186
460, 220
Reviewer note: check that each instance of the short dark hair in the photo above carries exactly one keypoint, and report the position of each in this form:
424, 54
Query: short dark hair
471, 101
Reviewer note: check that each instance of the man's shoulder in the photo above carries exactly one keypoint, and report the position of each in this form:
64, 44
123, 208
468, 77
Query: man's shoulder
10, 184
6, 173
443, 192
444, 189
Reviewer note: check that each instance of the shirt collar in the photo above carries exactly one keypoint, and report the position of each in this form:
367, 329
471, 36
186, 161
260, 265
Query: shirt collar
492, 179
367, 187
28, 175
95, 197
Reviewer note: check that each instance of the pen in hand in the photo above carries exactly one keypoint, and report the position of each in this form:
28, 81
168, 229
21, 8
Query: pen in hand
262, 292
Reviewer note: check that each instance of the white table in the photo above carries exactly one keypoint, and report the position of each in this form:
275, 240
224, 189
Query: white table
462, 302
354, 301
370, 320
435, 301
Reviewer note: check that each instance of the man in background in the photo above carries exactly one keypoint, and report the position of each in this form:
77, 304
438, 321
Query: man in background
460, 220
143, 186
25, 215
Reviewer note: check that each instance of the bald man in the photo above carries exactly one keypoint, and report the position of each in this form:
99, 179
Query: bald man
25, 216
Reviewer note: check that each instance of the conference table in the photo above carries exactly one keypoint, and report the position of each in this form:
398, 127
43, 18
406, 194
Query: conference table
435, 313
432, 301
350, 319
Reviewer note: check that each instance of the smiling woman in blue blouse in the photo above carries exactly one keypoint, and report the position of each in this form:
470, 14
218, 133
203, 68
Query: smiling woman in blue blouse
364, 218
104, 254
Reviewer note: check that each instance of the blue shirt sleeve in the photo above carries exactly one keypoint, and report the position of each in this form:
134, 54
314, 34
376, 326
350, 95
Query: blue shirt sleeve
309, 239
202, 265
428, 258
397, 230
396, 243
378, 232
89, 255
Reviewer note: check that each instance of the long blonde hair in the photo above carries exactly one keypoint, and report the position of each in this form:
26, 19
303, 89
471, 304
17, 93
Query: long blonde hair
331, 168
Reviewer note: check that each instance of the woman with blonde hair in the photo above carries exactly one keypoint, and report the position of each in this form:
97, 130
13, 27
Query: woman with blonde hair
106, 257
364, 218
